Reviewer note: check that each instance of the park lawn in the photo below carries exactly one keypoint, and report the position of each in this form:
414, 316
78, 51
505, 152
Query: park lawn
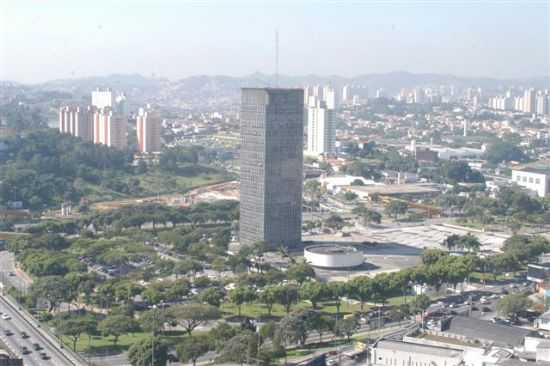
398, 300
254, 310
157, 182
101, 344
479, 277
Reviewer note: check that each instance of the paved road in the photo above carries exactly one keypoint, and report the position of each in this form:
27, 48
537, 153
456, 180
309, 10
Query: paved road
17, 324
9, 274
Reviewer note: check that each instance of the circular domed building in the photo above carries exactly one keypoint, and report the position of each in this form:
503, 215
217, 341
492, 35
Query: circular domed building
333, 256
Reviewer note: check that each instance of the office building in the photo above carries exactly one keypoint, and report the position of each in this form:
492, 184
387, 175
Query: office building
321, 129
271, 160
148, 129
76, 121
110, 128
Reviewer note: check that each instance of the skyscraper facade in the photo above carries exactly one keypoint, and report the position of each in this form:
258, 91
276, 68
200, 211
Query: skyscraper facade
148, 130
271, 159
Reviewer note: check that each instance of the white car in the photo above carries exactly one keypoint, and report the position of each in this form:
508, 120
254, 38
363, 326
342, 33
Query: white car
6, 316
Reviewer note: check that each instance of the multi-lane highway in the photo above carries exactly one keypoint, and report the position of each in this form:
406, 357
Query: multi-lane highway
11, 334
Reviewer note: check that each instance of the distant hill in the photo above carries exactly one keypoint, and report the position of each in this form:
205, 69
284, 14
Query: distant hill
215, 89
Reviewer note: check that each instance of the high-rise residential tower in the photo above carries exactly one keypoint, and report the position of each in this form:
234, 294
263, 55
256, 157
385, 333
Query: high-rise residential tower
271, 159
529, 101
148, 130
542, 103
321, 129
110, 128
76, 121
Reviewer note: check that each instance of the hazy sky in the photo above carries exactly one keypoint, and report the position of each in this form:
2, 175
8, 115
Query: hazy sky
49, 39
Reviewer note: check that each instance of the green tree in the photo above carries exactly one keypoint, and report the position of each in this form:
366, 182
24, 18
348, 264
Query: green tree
504, 151
293, 329
240, 296
212, 296
286, 296
74, 326
117, 325
268, 296
396, 208
334, 222
153, 320
147, 350
510, 305
300, 272
54, 289
191, 316
360, 288
367, 215
313, 291
420, 304
242, 348
347, 327
191, 348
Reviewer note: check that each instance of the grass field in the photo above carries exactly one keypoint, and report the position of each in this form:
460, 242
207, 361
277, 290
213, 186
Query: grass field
98, 345
156, 182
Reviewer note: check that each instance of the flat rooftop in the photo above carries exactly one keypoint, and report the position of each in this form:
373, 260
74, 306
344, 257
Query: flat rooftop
331, 249
393, 189
540, 167
414, 348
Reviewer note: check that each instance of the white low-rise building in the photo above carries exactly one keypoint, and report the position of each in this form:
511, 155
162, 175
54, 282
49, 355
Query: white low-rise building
390, 353
535, 179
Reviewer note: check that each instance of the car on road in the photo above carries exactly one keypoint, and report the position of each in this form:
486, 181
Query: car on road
11, 274
6, 316
44, 356
36, 347
8, 332
25, 350
24, 335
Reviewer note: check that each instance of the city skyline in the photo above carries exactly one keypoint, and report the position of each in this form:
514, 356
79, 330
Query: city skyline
500, 40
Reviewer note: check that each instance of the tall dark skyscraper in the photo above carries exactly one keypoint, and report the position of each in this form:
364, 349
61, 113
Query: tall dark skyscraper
271, 166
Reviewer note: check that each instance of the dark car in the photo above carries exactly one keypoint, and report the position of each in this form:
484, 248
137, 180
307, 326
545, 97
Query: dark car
8, 332
25, 350
44, 356
36, 347
24, 335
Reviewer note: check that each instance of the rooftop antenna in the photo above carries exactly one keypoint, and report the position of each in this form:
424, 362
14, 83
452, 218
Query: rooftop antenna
276, 58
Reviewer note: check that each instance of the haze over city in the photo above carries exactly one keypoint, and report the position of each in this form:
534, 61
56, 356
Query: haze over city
274, 183
173, 39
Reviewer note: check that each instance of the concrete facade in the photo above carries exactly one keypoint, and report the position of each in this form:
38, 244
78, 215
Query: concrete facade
76, 121
321, 129
148, 129
535, 180
271, 163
